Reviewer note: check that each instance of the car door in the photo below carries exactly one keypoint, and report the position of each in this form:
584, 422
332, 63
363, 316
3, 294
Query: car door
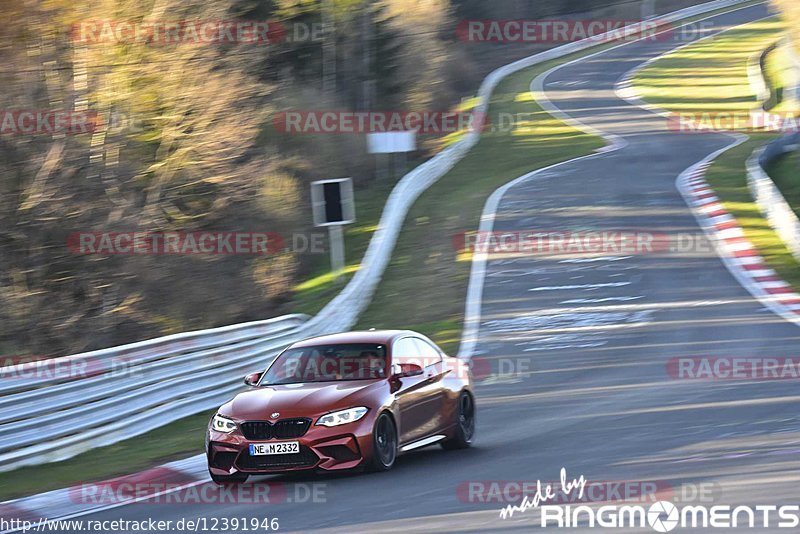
433, 372
418, 397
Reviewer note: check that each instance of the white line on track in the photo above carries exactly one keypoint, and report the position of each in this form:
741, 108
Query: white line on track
600, 300
580, 286
598, 258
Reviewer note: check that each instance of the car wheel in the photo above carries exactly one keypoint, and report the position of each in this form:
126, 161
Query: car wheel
236, 478
465, 423
384, 443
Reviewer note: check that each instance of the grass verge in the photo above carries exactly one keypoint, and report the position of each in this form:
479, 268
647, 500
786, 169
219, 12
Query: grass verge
711, 76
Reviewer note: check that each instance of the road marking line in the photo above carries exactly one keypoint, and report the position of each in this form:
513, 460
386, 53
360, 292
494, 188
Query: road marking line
580, 286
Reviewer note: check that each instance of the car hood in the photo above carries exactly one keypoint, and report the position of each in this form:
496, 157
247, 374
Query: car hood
301, 400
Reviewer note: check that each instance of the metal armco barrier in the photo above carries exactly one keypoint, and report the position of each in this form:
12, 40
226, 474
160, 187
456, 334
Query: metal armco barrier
770, 200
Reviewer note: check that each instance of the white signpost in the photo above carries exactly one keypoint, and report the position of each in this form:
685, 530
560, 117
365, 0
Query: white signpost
333, 205
392, 143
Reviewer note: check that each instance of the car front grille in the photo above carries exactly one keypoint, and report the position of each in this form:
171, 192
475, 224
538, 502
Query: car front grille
305, 458
282, 429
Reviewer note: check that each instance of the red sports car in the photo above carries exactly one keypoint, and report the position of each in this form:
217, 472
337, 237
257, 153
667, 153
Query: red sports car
343, 401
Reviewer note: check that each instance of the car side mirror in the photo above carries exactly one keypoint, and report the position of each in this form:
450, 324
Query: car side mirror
403, 370
253, 379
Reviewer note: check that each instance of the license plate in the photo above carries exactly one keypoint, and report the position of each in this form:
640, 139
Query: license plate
283, 447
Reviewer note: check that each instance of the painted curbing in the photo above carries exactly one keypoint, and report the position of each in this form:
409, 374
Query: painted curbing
737, 252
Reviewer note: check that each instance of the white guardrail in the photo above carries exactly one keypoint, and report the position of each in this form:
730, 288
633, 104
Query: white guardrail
768, 197
129, 390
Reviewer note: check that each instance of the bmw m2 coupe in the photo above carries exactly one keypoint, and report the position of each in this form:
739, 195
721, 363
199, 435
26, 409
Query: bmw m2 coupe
343, 401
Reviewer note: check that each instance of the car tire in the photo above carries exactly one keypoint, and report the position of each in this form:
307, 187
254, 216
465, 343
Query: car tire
465, 423
236, 478
384, 444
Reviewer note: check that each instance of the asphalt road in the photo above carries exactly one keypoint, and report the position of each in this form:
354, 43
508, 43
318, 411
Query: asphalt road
599, 400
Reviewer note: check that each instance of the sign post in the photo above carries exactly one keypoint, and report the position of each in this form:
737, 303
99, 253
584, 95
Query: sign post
333, 206
336, 238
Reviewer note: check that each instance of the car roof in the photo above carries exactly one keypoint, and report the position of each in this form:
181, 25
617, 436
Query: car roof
384, 337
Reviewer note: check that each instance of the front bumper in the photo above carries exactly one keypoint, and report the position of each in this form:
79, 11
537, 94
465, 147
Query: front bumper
331, 449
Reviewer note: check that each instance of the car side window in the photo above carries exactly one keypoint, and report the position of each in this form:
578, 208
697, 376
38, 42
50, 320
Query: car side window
429, 354
406, 351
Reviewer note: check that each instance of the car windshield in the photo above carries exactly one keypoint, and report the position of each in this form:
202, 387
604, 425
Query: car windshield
328, 363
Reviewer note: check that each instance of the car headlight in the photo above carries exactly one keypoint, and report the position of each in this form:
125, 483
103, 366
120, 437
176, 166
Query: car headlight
222, 424
342, 417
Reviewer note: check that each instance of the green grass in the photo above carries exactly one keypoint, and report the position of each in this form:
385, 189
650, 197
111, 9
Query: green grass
712, 76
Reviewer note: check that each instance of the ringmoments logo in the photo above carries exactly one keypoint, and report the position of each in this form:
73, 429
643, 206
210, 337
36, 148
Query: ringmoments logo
660, 516
664, 516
